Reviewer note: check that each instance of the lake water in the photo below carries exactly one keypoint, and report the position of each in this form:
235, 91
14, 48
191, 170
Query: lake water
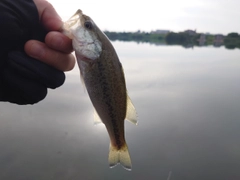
188, 104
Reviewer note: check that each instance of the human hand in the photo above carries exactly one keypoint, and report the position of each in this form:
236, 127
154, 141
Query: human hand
56, 51
24, 78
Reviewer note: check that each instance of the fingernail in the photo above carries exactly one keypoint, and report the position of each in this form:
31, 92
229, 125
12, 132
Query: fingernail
36, 50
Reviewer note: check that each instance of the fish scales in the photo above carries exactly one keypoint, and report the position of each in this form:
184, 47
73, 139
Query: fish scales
104, 83
104, 79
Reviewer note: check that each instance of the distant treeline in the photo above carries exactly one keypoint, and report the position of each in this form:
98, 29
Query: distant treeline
187, 38
136, 36
232, 40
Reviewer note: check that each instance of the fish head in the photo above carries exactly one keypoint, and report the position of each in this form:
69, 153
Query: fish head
84, 34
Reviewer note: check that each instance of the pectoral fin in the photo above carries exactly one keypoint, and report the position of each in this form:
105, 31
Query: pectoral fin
131, 111
97, 119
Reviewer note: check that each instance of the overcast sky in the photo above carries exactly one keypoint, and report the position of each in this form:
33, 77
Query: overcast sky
214, 16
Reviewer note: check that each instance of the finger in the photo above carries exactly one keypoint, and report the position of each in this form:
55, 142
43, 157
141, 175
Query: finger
57, 59
59, 41
48, 15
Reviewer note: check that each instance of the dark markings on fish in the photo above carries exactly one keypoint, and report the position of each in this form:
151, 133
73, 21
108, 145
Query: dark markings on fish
104, 79
109, 103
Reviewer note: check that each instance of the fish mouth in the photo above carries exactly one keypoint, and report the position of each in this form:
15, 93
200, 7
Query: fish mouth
84, 58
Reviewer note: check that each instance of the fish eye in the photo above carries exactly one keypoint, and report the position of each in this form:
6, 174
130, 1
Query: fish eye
88, 25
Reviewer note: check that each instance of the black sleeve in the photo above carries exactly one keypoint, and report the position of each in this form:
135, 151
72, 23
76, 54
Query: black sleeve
19, 22
23, 80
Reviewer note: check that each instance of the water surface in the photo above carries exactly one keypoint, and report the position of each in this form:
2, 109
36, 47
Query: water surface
188, 104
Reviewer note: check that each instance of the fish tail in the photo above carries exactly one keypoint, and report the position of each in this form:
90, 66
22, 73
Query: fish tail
121, 156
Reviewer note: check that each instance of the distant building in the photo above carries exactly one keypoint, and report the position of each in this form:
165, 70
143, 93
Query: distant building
202, 39
191, 32
158, 31
218, 40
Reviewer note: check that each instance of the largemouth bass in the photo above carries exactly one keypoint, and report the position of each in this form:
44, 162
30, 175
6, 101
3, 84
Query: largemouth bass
103, 76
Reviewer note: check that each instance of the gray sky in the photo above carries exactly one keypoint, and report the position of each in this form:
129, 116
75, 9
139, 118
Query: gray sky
214, 16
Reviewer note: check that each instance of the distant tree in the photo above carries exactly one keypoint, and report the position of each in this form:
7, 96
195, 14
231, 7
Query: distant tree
177, 38
233, 35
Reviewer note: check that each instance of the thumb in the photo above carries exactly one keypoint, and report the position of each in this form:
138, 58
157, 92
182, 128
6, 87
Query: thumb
48, 15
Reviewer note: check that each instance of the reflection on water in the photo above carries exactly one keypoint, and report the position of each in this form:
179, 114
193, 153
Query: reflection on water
188, 106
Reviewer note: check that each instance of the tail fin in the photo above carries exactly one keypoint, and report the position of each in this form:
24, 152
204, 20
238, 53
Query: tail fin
121, 156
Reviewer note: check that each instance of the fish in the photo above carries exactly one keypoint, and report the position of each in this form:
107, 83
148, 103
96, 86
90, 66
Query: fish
103, 76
